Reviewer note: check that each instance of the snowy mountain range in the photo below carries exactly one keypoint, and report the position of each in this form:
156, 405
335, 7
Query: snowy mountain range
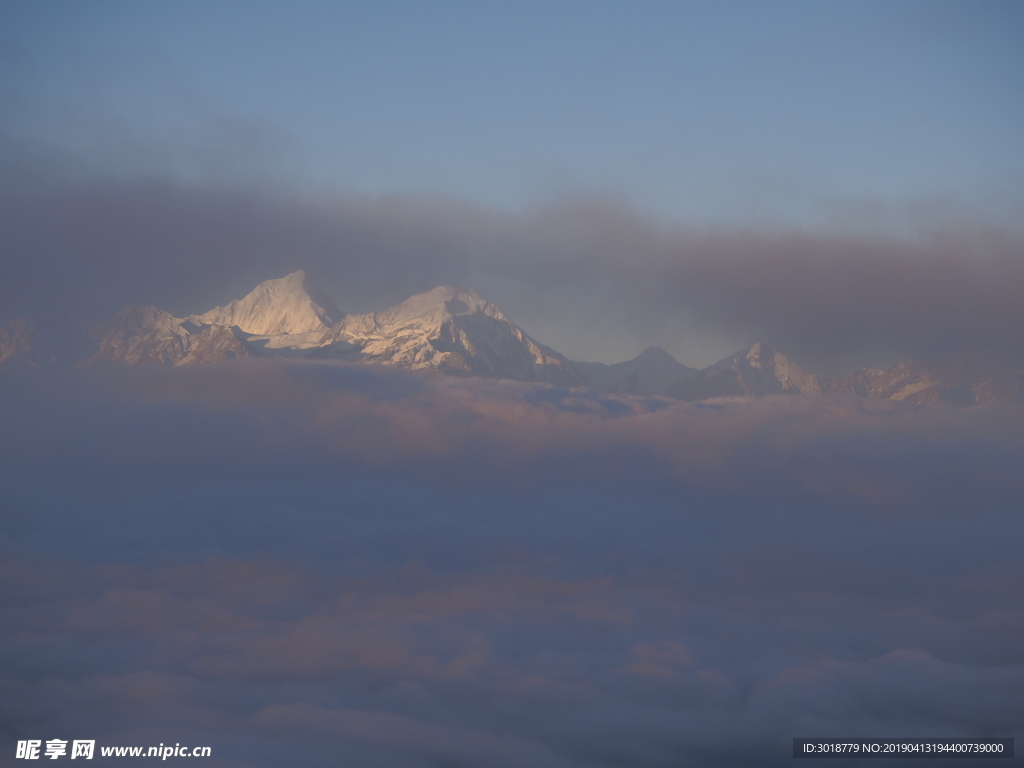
455, 331
449, 328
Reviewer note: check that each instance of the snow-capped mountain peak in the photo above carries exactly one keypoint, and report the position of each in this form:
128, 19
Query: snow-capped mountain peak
275, 307
436, 305
450, 328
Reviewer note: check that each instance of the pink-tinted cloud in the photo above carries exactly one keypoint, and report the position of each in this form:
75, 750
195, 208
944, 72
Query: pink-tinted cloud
502, 667
331, 417
326, 562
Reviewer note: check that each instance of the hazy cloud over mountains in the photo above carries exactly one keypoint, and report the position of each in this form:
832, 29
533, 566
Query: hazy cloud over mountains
592, 278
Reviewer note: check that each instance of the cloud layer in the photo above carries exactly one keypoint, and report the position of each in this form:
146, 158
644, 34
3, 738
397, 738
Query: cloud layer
324, 563
323, 416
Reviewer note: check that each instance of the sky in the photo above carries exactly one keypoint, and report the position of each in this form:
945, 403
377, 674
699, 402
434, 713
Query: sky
320, 563
732, 113
180, 154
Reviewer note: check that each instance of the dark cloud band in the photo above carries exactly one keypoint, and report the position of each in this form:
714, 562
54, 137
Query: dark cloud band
572, 273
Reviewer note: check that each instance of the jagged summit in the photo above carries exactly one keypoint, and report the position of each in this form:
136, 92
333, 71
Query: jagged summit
653, 372
429, 309
143, 335
273, 308
450, 328
656, 355
962, 377
445, 300
755, 372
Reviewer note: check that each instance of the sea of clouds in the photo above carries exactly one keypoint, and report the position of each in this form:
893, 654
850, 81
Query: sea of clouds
329, 564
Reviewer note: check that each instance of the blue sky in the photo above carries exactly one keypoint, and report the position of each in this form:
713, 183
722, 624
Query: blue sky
822, 115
